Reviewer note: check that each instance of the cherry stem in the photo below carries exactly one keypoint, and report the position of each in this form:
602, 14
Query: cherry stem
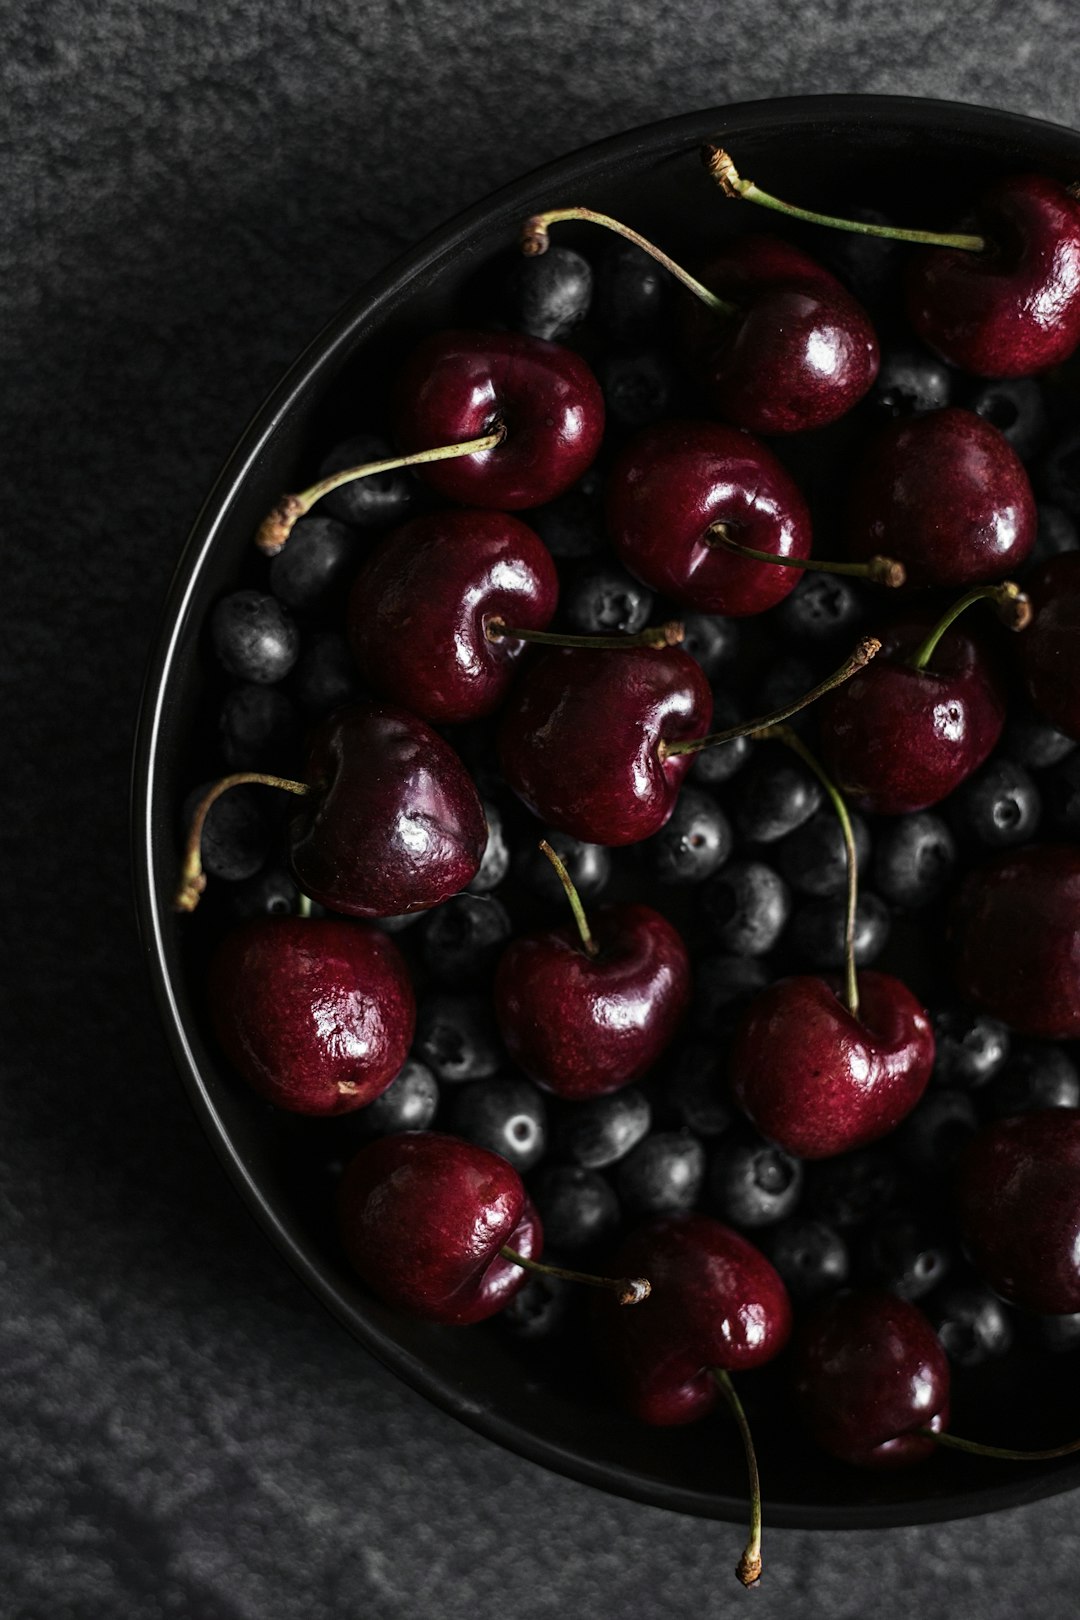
661, 635
879, 570
277, 526
731, 183
1013, 609
534, 240
867, 649
303, 905
591, 947
1006, 1453
631, 1290
748, 1569
192, 877
792, 740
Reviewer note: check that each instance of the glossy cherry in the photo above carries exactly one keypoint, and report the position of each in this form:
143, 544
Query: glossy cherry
425, 606
1018, 1197
1049, 651
317, 1015
457, 385
1014, 938
869, 1375
946, 495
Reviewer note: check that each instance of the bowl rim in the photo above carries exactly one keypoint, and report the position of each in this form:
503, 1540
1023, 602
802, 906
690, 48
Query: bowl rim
655, 140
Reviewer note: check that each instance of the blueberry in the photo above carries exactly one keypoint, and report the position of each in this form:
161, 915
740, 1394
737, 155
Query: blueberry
694, 843
910, 381
409, 1102
689, 1089
1061, 787
632, 291
603, 599
1033, 742
1056, 531
811, 1257
456, 1037
712, 641
721, 762
1058, 1334
589, 866
318, 557
1015, 406
325, 676
971, 1322
577, 1206
821, 608
753, 1182
505, 1114
745, 907
999, 805
495, 861
869, 265
638, 386
1036, 1074
914, 859
970, 1047
722, 987
538, 1309
603, 1130
236, 835
272, 892
254, 637
463, 939
663, 1175
777, 793
903, 1254
548, 295
934, 1133
788, 678
853, 1188
817, 930
370, 503
398, 924
258, 728
573, 524
814, 858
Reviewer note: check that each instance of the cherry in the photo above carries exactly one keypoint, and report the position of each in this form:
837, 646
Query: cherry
1018, 1197
947, 496
1001, 303
1015, 940
317, 1015
1050, 651
444, 1229
457, 385
782, 346
585, 1009
923, 716
393, 823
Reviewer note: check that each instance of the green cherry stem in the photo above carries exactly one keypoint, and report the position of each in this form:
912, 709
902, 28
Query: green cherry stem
661, 635
588, 942
534, 240
878, 570
867, 649
277, 525
631, 1290
192, 877
1013, 609
953, 1442
748, 1569
732, 184
792, 740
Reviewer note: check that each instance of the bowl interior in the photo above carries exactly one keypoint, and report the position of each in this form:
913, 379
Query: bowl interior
920, 159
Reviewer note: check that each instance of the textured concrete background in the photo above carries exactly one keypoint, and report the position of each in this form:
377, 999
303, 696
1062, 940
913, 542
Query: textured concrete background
193, 188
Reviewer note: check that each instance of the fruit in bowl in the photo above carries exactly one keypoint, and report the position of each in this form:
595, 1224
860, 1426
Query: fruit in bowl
372, 670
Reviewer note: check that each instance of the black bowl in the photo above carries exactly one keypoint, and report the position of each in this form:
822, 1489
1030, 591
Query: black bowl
920, 158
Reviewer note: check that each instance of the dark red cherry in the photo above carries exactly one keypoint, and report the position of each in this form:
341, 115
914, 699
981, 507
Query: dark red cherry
716, 1302
459, 385
818, 1081
316, 1014
583, 1025
423, 606
868, 1374
676, 480
797, 352
1013, 309
423, 1217
1018, 1197
896, 738
1049, 650
581, 734
945, 494
1015, 940
393, 822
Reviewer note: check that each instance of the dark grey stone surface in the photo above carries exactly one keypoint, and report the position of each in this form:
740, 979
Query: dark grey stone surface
190, 190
